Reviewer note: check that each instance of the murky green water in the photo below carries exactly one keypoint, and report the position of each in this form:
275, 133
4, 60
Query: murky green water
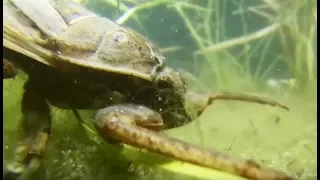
274, 137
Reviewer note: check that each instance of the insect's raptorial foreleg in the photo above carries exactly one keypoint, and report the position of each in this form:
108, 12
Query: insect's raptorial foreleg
123, 123
201, 100
35, 127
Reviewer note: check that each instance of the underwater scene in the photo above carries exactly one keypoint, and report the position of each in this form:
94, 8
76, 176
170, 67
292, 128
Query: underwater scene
160, 89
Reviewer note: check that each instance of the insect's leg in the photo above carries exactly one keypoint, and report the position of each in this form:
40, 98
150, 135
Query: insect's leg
123, 123
201, 100
245, 98
9, 70
35, 127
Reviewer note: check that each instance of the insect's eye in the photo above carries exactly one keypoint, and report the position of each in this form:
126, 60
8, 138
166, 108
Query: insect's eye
120, 37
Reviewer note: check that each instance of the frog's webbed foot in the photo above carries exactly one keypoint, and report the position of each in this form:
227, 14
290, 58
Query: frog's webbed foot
35, 128
138, 126
201, 100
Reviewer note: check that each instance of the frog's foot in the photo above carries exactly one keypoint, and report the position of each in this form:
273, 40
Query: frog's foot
131, 124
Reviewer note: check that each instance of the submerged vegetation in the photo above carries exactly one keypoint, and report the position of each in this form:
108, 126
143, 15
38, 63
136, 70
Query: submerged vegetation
264, 47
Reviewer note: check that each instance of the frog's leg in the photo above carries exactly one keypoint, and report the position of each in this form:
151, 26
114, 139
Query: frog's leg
35, 127
137, 125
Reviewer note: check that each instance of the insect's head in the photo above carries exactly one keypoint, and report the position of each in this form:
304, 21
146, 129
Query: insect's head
170, 79
169, 98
